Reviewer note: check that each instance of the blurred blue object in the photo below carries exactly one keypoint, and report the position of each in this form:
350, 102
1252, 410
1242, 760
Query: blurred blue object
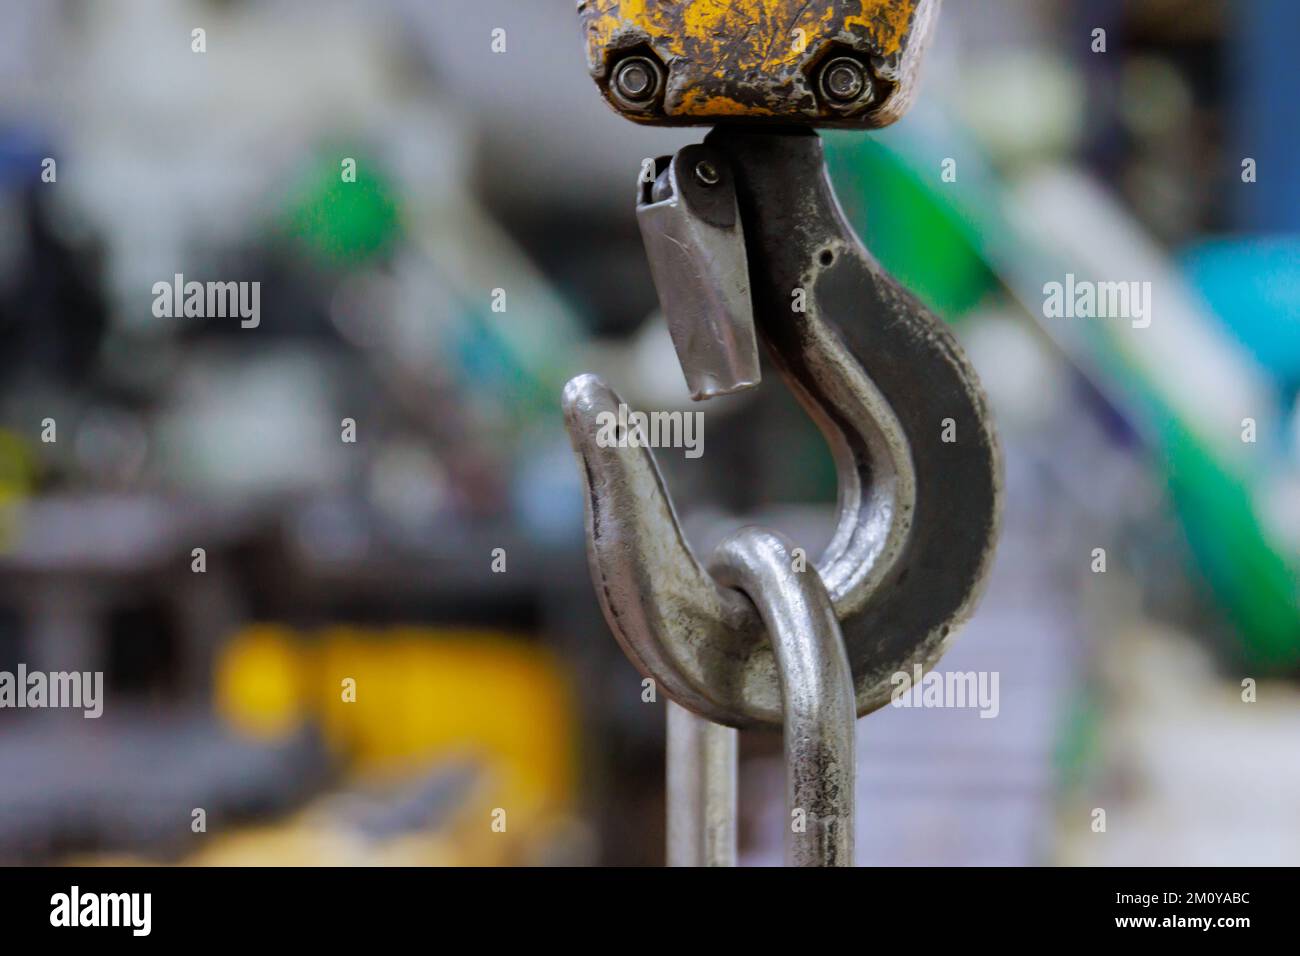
547, 495
1253, 285
20, 156
1265, 114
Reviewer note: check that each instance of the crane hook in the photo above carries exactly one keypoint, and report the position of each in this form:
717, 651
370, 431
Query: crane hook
918, 464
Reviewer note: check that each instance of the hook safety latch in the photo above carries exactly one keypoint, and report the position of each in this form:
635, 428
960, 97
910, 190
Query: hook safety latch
691, 226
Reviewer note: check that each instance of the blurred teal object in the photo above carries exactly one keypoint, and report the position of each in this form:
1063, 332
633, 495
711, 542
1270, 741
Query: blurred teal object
1253, 285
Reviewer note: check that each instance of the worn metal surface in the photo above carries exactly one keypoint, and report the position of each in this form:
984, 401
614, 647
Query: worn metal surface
816, 688
758, 60
690, 224
886, 381
702, 760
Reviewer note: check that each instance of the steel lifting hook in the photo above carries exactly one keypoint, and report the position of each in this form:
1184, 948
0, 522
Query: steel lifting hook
882, 377
746, 240
885, 380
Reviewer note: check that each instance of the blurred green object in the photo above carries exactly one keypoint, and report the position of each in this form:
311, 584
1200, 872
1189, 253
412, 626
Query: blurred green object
1255, 583
907, 223
342, 223
1077, 746
1252, 581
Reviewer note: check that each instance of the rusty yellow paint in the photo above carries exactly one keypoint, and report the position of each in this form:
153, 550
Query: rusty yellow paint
750, 34
887, 22
743, 35
694, 103
738, 58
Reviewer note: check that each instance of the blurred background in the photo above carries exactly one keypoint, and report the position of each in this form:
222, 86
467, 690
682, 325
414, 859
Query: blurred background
1162, 689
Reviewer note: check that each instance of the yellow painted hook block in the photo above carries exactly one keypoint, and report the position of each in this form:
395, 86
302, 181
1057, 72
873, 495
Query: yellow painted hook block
701, 62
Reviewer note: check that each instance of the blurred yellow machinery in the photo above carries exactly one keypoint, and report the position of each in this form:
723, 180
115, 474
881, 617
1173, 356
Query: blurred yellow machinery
17, 475
392, 704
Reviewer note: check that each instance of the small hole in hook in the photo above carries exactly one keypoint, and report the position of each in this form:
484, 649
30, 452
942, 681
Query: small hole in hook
827, 257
